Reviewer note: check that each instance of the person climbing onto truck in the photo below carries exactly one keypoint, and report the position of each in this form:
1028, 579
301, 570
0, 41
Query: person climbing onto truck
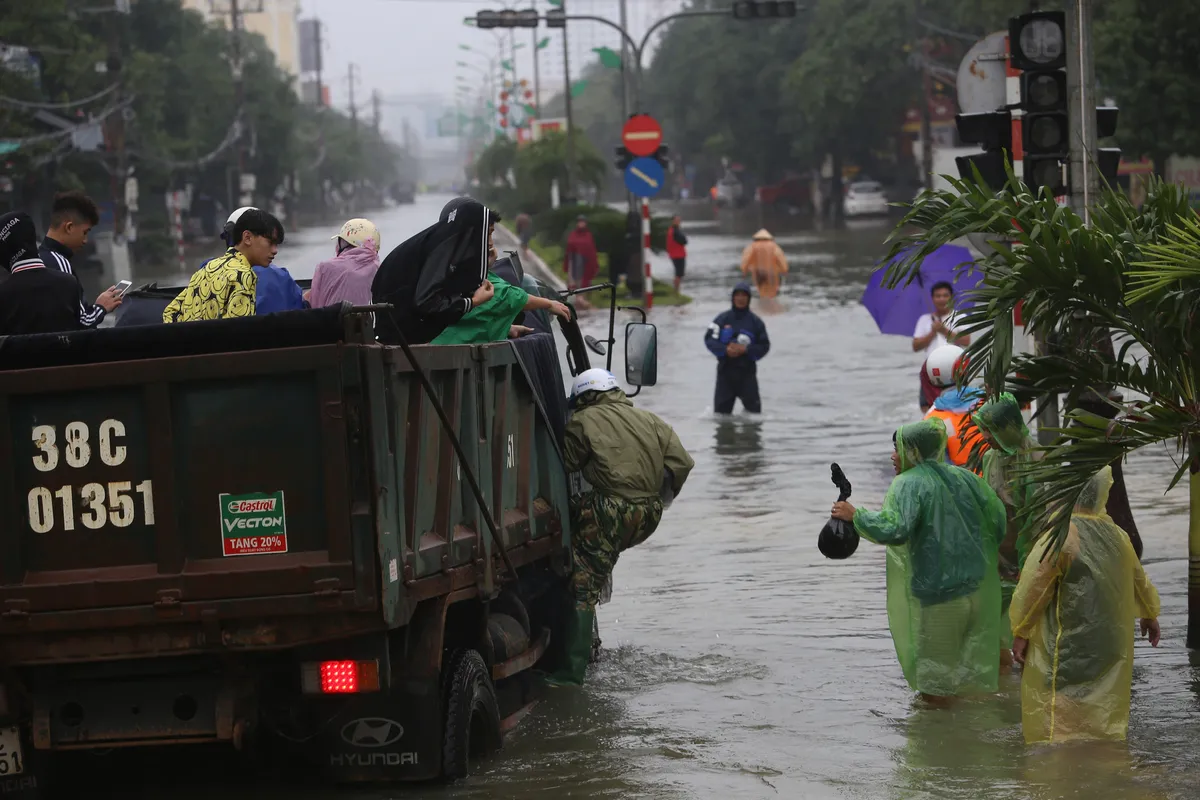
942, 526
227, 285
434, 278
738, 338
629, 457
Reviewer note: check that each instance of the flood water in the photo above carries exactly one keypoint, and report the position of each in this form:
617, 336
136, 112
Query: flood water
738, 661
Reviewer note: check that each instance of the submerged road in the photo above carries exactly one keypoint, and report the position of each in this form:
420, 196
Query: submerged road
740, 663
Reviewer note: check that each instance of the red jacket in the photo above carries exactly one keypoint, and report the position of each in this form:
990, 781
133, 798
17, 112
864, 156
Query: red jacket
675, 247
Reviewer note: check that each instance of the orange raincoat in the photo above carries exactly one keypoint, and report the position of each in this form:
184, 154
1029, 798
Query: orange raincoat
764, 263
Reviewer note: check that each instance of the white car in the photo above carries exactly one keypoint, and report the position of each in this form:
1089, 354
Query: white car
865, 199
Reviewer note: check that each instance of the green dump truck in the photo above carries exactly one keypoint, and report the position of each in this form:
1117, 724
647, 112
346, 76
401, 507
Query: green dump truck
265, 530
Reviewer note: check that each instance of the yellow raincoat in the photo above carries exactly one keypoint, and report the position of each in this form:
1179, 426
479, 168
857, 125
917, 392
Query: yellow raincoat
764, 263
1077, 609
224, 287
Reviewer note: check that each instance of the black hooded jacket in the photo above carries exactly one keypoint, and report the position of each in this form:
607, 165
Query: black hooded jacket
430, 277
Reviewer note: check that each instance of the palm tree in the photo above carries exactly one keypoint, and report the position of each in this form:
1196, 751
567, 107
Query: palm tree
1117, 300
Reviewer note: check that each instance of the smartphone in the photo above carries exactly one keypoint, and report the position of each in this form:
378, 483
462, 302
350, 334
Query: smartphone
123, 287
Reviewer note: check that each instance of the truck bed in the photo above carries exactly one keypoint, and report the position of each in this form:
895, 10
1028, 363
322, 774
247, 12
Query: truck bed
254, 484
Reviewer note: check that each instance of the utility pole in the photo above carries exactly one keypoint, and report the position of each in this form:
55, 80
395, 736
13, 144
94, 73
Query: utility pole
625, 67
239, 93
537, 82
375, 111
320, 59
353, 108
1084, 178
569, 189
116, 66
926, 119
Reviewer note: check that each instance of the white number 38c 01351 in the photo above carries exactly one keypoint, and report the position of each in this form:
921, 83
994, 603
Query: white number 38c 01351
93, 505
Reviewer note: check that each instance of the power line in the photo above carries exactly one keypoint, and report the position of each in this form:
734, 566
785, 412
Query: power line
15, 103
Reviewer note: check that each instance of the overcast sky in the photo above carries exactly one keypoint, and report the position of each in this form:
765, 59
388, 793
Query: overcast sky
405, 47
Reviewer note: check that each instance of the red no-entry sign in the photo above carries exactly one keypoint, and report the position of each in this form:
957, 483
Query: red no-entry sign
641, 135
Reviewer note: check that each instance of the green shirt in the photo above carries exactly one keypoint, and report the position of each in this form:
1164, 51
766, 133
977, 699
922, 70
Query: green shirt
488, 322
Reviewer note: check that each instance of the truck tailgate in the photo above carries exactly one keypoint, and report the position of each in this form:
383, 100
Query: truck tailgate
216, 484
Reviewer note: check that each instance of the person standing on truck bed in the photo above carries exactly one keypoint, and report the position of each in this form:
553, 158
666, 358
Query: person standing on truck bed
72, 217
435, 277
633, 461
33, 299
226, 286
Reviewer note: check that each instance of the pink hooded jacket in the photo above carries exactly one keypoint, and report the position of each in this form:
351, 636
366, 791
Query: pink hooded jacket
347, 276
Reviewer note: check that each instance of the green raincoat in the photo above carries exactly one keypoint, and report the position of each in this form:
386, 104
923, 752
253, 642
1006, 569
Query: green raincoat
1012, 447
488, 322
1077, 609
942, 525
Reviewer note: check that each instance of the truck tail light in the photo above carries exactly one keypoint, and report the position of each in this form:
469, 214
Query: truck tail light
339, 677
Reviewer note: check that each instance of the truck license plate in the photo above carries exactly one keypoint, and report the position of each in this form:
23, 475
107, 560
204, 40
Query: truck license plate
12, 760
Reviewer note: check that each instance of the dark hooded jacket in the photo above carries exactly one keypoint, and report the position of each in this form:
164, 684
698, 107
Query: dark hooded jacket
430, 277
734, 323
33, 299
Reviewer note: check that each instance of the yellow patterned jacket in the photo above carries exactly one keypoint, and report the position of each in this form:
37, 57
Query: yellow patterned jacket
224, 287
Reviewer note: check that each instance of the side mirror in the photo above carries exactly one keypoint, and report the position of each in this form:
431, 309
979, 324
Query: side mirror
641, 354
595, 345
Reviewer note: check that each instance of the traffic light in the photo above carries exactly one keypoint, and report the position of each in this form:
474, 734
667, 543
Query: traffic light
507, 18
623, 158
1037, 47
661, 156
1108, 159
991, 130
764, 9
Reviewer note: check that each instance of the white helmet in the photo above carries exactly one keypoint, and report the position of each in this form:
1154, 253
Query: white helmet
943, 364
357, 231
594, 380
233, 218
231, 223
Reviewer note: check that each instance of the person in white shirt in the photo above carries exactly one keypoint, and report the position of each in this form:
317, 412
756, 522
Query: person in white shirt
933, 331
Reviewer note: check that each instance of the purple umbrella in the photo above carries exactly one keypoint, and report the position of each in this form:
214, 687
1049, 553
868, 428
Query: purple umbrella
896, 311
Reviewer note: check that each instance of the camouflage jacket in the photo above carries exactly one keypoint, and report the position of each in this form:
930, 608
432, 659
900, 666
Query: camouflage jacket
622, 450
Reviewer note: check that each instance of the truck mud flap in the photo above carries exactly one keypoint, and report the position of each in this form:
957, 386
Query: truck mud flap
390, 736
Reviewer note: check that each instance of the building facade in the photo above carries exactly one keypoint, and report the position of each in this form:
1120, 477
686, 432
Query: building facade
277, 21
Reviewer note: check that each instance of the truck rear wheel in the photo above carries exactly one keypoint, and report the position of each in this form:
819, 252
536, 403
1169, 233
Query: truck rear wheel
472, 715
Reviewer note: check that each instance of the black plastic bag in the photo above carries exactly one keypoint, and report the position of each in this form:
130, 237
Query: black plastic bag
838, 538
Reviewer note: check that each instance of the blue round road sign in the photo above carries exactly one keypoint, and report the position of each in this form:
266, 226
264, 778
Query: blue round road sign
644, 177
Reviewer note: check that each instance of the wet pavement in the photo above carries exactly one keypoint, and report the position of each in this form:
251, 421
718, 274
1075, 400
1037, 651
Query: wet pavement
738, 662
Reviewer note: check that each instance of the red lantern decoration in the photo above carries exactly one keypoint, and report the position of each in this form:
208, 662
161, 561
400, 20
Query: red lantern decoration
503, 96
528, 94
503, 111
503, 123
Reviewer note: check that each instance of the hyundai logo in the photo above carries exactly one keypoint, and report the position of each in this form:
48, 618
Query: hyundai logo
372, 732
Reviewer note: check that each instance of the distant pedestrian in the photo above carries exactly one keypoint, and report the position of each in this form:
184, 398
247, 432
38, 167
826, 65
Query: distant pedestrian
524, 226
581, 260
677, 249
347, 277
72, 217
738, 338
936, 330
764, 263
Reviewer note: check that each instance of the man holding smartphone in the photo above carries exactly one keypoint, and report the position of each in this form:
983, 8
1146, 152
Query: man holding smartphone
71, 219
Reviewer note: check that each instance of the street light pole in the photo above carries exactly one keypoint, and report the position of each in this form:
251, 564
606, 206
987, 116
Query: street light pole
569, 194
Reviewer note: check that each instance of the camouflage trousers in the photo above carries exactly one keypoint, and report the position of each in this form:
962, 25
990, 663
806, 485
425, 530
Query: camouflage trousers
603, 526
